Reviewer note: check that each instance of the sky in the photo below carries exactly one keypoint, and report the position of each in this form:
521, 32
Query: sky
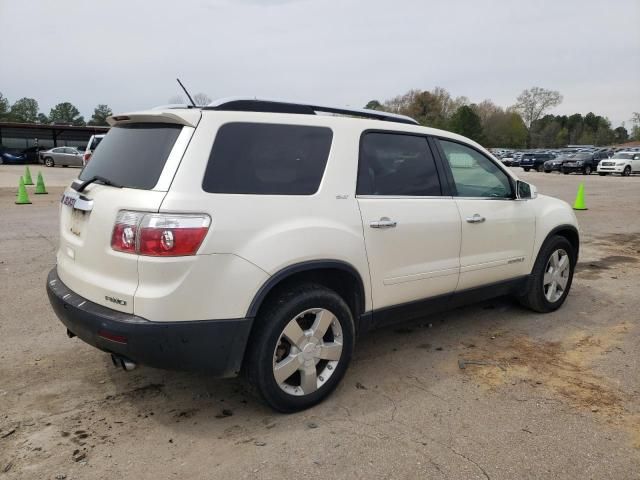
127, 53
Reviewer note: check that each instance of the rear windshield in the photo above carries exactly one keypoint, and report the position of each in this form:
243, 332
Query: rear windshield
133, 155
267, 159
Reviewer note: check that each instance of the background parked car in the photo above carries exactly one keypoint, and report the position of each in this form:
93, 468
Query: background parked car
535, 161
93, 143
9, 157
624, 163
555, 164
580, 163
32, 154
64, 156
602, 154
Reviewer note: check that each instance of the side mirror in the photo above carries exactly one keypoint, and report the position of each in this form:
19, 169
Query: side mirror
525, 191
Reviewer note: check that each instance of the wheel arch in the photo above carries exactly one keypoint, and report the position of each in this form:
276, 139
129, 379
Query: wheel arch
340, 276
570, 232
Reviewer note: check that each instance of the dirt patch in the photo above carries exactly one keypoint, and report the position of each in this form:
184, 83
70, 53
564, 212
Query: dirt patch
594, 269
566, 368
620, 242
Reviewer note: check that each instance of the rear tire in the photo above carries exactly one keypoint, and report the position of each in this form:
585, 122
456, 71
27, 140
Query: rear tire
540, 168
303, 340
551, 277
602, 174
48, 162
587, 170
527, 169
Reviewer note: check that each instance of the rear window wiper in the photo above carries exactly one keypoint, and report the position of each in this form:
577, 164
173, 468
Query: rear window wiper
95, 178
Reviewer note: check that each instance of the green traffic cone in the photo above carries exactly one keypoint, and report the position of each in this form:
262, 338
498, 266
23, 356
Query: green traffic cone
579, 204
40, 188
27, 176
23, 198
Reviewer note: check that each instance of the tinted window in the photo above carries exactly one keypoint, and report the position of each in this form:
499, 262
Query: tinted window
474, 174
133, 155
268, 159
394, 164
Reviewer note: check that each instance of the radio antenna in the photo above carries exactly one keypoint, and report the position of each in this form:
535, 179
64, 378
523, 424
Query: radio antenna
185, 91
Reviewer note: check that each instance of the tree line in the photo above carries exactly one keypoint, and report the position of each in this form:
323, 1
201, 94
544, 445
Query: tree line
524, 124
27, 110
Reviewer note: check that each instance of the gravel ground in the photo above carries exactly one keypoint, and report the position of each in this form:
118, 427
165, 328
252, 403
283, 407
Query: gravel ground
556, 396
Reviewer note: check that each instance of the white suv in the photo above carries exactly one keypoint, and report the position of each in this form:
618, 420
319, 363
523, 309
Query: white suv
624, 163
262, 237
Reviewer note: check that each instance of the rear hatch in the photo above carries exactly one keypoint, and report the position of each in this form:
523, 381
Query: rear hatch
138, 157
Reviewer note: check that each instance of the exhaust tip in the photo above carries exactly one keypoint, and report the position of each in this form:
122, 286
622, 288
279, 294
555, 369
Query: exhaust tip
123, 362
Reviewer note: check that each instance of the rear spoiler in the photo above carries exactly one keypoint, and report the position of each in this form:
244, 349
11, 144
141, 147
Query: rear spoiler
189, 118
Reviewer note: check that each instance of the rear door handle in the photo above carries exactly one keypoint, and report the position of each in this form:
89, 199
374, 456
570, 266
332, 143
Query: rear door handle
476, 219
384, 222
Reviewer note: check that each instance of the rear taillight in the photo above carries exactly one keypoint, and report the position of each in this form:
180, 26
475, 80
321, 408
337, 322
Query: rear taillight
158, 234
86, 157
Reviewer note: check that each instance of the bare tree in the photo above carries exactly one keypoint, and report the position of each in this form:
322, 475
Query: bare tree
202, 99
533, 103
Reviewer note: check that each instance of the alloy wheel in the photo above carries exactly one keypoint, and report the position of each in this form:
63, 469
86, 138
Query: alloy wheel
308, 351
556, 275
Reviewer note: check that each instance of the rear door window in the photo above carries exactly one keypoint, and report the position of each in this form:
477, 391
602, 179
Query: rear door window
133, 155
396, 165
267, 159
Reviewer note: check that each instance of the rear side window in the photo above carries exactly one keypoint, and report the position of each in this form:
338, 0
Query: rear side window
267, 159
396, 165
133, 155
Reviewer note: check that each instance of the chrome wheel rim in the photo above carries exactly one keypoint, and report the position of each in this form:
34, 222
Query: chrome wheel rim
556, 275
308, 351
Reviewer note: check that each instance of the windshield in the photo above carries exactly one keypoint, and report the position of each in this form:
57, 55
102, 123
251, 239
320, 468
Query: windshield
582, 156
133, 155
626, 156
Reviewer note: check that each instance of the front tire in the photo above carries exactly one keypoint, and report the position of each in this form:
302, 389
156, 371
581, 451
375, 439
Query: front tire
627, 171
587, 170
48, 162
551, 277
300, 347
527, 169
602, 174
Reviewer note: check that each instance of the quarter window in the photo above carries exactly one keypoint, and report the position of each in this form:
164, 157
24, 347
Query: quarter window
267, 159
474, 174
396, 165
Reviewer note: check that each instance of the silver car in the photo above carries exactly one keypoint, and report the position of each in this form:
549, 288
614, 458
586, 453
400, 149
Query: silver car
64, 156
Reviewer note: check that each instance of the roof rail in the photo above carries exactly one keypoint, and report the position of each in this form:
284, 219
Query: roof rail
242, 104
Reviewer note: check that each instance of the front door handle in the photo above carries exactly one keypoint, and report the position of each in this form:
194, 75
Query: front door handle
384, 222
476, 218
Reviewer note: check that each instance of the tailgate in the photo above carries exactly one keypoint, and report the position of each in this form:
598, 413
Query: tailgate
131, 169
86, 262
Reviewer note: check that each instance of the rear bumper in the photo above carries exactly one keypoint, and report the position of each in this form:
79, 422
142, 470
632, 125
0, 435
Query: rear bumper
213, 346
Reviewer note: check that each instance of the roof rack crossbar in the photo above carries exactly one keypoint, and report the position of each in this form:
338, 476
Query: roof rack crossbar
276, 106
